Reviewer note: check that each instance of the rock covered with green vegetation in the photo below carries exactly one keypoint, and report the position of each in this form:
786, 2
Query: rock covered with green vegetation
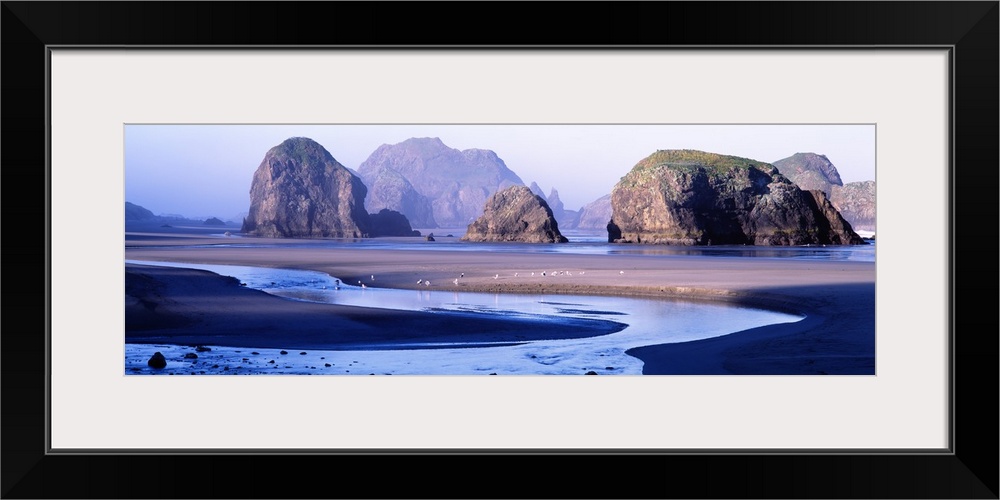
688, 197
300, 191
515, 214
454, 183
854, 200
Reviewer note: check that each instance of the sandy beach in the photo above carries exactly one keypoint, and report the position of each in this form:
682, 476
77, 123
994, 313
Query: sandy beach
173, 306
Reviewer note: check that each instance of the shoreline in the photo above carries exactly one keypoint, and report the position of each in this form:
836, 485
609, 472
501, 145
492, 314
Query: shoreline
837, 298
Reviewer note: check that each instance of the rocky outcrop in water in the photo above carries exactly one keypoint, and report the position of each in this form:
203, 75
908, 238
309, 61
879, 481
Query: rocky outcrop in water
515, 214
596, 214
300, 191
135, 212
687, 197
810, 171
455, 183
391, 223
854, 200
565, 218
390, 190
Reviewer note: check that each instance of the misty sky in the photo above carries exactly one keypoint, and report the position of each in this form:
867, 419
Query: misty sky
202, 171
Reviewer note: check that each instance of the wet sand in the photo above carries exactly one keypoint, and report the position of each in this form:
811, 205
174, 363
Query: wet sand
194, 307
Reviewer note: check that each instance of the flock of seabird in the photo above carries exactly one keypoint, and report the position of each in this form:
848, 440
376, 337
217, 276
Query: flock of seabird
462, 275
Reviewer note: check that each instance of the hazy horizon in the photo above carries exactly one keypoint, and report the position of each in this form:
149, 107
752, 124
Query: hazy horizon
201, 171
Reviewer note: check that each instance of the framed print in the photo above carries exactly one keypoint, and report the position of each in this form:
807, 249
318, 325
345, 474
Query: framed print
106, 114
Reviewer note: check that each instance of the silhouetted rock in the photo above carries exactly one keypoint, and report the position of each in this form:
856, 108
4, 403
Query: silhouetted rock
686, 197
515, 214
135, 212
157, 360
391, 223
300, 190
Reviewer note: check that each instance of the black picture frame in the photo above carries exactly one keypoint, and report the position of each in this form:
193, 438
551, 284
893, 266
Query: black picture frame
969, 28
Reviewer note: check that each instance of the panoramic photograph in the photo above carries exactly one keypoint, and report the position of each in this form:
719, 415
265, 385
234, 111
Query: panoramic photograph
509, 249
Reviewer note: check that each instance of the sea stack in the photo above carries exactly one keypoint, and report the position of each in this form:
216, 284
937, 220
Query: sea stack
854, 200
432, 184
688, 197
518, 215
300, 191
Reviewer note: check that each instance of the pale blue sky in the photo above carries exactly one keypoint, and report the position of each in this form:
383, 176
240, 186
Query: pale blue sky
206, 170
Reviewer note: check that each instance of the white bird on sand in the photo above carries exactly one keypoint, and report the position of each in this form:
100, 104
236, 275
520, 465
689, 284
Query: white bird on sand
532, 273
462, 276
427, 283
496, 276
373, 277
621, 272
420, 281
456, 281
543, 273
363, 286
515, 275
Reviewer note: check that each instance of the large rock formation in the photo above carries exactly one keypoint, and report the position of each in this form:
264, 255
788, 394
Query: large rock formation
135, 212
596, 214
854, 200
391, 223
391, 191
566, 218
537, 191
454, 183
686, 197
300, 191
515, 214
810, 171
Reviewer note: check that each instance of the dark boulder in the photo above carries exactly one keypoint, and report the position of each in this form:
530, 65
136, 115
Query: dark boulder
391, 223
686, 197
515, 214
157, 360
300, 191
